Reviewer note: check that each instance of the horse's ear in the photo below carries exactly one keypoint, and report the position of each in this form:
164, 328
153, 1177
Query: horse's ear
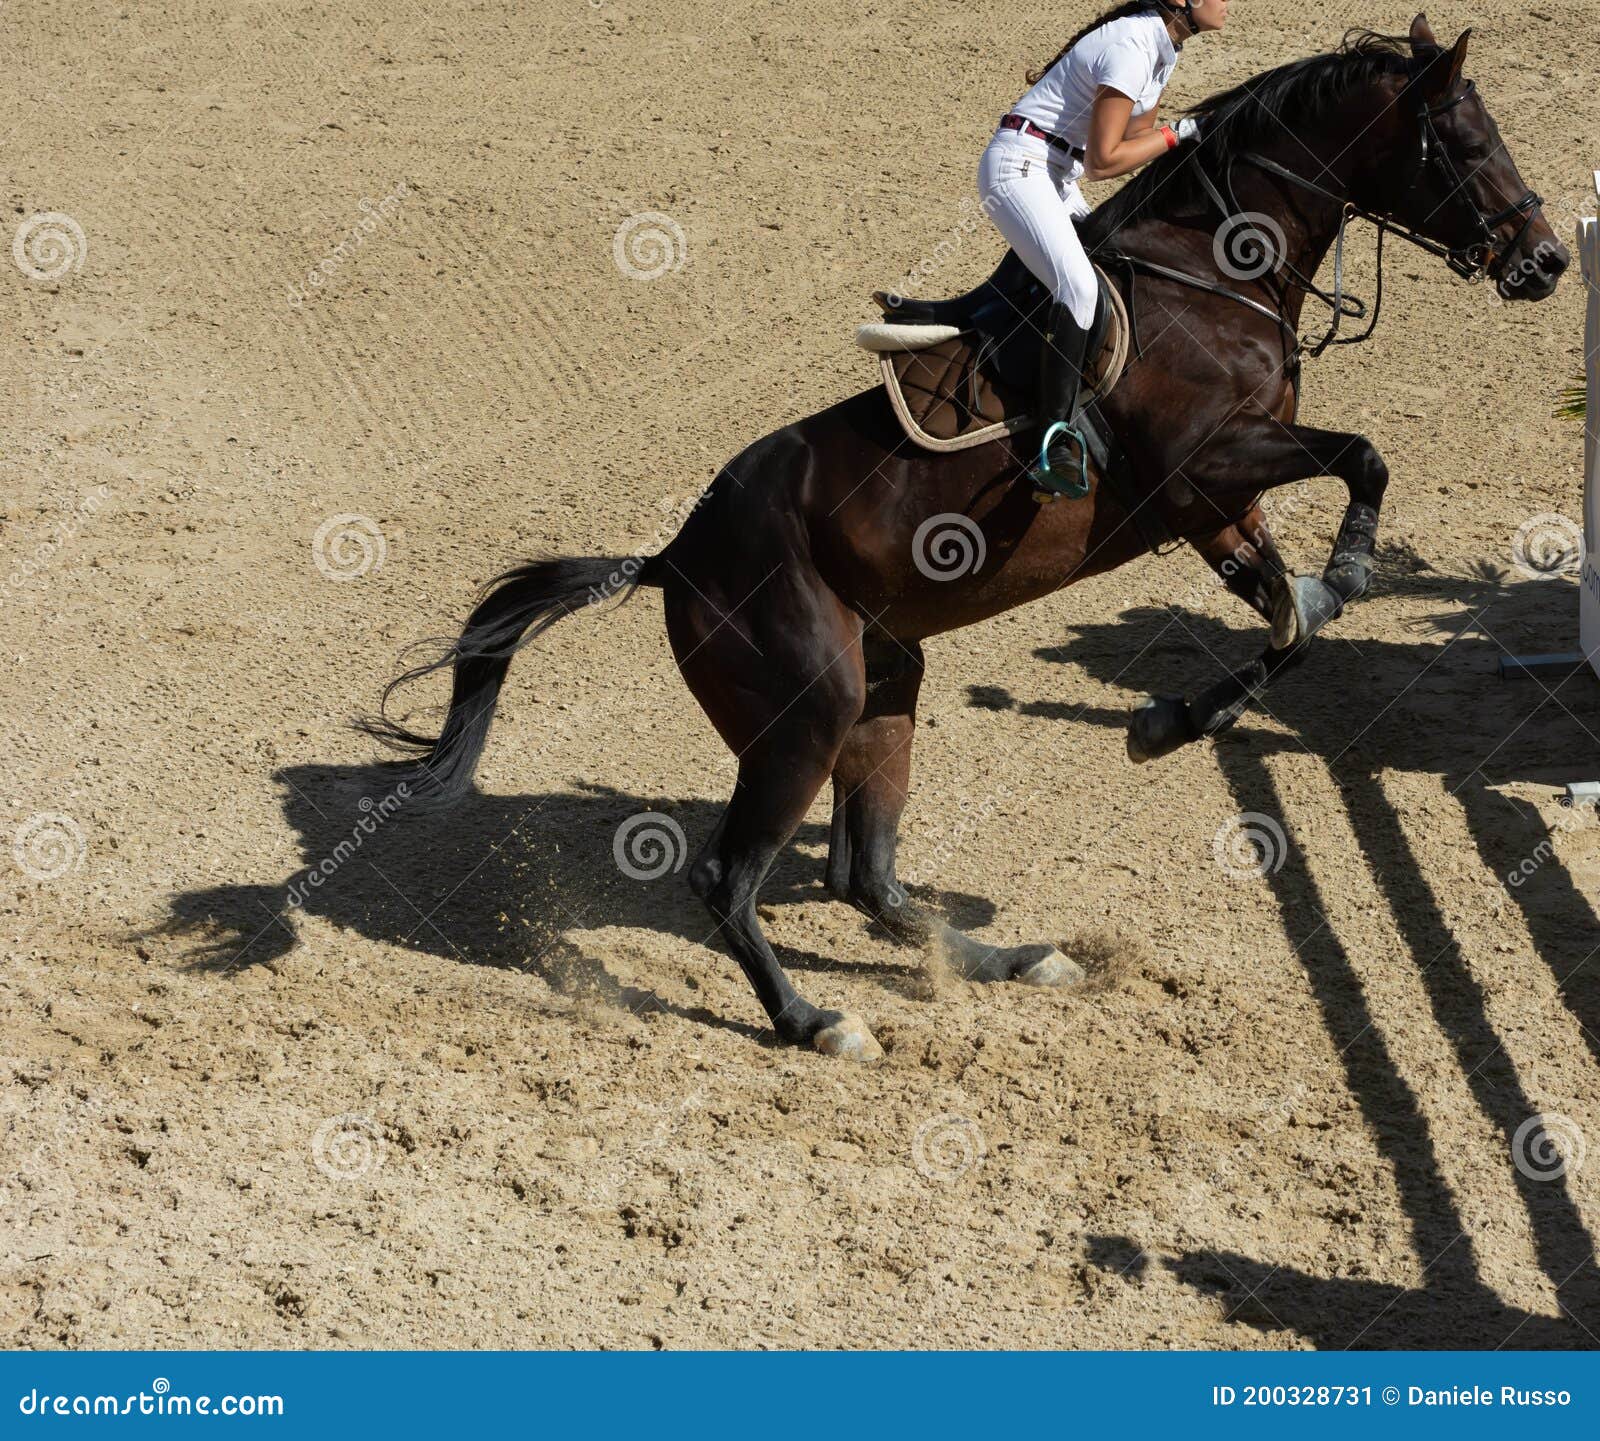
1444, 73
1422, 37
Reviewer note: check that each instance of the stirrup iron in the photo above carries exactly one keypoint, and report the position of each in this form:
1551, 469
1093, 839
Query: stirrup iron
1051, 484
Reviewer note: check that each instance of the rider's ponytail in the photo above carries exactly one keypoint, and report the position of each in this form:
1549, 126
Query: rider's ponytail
1122, 12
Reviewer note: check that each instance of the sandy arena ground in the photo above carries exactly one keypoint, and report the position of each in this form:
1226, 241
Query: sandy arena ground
482, 1089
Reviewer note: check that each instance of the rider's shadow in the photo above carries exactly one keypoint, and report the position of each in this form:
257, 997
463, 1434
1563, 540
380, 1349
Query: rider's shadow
1422, 689
506, 881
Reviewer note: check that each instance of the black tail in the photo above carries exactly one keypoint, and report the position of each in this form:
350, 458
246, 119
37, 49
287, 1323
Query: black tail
515, 609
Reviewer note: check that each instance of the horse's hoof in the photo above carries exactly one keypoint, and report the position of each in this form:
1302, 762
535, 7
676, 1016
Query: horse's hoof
849, 1039
1159, 726
1054, 970
1315, 604
1285, 622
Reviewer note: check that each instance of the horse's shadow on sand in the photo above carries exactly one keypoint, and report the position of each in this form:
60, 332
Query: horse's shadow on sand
1432, 705
506, 881
514, 881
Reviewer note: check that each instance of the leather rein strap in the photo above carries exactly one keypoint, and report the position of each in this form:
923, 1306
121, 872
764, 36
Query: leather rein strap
1472, 262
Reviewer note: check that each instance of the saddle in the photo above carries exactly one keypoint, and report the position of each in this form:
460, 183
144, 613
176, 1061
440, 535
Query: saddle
963, 372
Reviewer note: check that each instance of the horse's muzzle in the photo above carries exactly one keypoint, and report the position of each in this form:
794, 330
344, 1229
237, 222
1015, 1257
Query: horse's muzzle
1536, 275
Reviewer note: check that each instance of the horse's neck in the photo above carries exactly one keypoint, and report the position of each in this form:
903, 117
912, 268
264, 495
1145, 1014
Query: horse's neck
1311, 221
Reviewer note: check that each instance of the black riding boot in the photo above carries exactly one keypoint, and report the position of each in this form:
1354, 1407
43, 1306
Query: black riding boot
1063, 464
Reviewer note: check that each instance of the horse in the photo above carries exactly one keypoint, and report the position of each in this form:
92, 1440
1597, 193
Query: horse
798, 593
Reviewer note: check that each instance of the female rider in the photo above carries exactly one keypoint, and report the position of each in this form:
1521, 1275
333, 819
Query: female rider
1090, 115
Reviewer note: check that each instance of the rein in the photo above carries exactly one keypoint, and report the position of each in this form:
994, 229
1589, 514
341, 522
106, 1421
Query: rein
1471, 262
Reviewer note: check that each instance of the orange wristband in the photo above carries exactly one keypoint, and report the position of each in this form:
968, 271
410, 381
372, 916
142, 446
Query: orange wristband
1171, 137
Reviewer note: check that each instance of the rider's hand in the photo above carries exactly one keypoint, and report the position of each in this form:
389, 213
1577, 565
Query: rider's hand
1188, 130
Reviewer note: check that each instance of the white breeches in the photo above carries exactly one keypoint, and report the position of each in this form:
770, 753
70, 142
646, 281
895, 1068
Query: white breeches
1030, 191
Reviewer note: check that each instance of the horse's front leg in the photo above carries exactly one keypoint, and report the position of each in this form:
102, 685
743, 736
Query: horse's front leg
1260, 455
1246, 559
1264, 454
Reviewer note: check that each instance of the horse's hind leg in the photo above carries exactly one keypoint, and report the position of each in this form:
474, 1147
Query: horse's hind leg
785, 716
870, 781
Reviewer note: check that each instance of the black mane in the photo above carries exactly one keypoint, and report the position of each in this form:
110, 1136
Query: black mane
1254, 114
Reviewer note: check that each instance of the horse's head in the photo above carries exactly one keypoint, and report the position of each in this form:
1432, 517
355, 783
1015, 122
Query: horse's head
1455, 182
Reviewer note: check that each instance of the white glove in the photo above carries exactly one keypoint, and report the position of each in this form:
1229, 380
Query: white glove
1188, 130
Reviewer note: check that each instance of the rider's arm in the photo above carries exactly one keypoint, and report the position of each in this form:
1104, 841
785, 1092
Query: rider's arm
1117, 142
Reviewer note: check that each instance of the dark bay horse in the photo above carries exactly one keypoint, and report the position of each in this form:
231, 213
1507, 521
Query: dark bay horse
800, 590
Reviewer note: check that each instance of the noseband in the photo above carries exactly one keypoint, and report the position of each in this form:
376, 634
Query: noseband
1471, 262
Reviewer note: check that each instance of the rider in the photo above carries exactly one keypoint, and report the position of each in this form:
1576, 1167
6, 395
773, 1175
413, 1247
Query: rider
1090, 115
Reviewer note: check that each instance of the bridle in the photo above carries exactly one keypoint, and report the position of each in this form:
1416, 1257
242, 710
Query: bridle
1472, 261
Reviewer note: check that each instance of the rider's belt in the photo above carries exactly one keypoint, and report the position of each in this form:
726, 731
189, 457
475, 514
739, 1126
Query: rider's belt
1055, 142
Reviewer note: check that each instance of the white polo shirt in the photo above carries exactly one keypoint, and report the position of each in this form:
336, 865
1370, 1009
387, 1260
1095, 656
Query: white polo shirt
1134, 56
